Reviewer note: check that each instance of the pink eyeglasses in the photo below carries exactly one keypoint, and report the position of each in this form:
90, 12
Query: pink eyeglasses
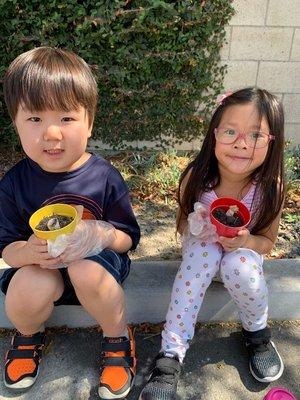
255, 139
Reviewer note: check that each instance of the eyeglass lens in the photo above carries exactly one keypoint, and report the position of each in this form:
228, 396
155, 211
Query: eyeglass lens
252, 139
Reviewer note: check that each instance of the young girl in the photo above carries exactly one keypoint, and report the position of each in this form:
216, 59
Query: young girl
241, 157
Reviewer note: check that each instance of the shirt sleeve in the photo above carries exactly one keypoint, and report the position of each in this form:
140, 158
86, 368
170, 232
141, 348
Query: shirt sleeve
12, 227
118, 210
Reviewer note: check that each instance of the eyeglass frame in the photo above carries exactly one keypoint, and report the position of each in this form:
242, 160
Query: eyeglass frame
243, 135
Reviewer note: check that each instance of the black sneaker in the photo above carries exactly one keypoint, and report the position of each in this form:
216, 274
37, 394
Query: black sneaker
162, 384
265, 362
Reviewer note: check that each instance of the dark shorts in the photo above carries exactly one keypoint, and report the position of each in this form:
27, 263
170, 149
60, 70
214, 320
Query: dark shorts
118, 265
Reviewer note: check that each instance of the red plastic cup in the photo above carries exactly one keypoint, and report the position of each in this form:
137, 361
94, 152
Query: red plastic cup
225, 203
279, 393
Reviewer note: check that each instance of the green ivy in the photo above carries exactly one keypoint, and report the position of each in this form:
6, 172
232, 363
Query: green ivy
155, 60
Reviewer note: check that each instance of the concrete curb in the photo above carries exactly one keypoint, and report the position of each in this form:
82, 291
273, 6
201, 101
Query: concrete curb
149, 285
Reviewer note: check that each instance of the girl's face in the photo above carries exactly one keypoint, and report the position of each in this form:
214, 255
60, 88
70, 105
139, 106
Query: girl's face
56, 140
238, 158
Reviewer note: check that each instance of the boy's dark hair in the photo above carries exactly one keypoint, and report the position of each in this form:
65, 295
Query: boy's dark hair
269, 176
50, 78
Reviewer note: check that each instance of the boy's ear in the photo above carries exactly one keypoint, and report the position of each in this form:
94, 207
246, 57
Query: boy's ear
15, 126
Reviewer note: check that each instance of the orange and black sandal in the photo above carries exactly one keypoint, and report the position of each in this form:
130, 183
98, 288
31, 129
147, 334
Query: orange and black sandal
22, 361
118, 367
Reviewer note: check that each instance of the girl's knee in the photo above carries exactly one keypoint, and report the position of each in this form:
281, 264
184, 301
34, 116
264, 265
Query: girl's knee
242, 271
200, 253
242, 257
241, 262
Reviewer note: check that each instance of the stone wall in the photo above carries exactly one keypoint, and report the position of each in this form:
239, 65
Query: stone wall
263, 50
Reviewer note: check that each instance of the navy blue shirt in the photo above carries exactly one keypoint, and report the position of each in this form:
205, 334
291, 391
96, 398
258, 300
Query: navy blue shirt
96, 185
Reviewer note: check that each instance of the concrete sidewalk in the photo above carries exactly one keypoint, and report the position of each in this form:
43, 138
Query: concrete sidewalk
215, 366
148, 290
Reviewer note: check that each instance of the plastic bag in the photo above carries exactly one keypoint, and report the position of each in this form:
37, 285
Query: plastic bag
200, 226
57, 246
89, 238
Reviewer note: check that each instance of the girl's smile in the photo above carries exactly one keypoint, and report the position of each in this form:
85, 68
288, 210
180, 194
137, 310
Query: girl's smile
237, 158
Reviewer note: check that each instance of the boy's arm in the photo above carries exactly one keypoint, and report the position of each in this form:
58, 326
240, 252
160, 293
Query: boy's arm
122, 242
13, 254
117, 210
34, 251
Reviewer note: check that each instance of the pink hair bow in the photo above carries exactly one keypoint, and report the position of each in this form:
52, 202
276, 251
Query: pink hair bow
222, 97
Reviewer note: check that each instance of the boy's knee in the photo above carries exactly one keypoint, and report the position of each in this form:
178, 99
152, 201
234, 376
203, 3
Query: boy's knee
34, 276
87, 274
34, 285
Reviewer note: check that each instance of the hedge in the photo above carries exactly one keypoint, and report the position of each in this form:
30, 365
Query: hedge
157, 62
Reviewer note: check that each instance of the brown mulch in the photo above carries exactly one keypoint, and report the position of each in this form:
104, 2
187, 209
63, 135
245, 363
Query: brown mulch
157, 222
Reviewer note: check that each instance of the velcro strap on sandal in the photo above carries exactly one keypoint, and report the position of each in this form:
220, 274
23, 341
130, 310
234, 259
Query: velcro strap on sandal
257, 341
35, 340
168, 365
118, 362
115, 346
22, 354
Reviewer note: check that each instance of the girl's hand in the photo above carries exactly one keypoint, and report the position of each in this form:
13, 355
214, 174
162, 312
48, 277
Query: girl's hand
37, 253
231, 244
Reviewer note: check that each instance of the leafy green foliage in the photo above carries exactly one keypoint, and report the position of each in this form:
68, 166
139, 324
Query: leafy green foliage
154, 59
292, 164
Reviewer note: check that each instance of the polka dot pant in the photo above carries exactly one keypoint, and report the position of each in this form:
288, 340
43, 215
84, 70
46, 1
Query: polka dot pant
242, 274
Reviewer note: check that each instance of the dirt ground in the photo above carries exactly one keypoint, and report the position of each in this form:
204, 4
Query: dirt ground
159, 242
157, 222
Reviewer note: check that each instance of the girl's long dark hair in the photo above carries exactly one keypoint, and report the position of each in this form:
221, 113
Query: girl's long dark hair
269, 176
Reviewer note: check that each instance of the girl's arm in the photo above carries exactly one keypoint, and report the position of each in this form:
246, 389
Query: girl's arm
181, 218
262, 242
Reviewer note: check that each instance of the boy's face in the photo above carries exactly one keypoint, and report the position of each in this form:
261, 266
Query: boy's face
56, 140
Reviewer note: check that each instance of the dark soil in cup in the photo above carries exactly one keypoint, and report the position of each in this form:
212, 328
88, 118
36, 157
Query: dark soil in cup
229, 220
54, 221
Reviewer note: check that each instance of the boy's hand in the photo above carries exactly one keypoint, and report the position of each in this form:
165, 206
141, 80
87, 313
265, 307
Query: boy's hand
90, 237
37, 253
231, 244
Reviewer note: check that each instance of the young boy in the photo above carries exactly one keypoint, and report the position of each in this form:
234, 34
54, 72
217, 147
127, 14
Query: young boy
51, 96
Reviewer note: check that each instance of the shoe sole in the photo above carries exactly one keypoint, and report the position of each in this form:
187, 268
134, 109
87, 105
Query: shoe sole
270, 378
111, 396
